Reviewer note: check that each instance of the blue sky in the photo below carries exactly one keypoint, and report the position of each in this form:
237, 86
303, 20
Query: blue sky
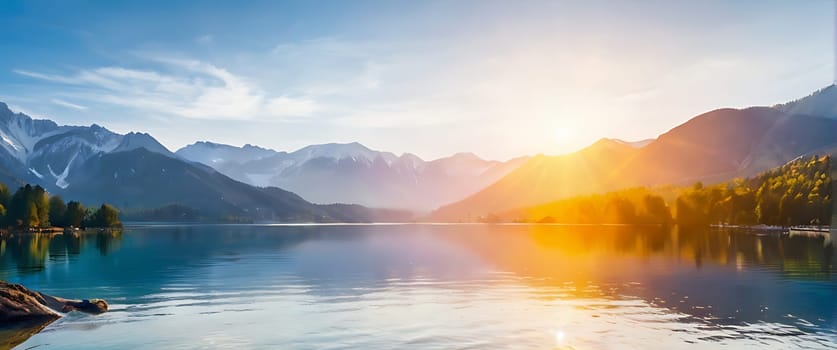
498, 78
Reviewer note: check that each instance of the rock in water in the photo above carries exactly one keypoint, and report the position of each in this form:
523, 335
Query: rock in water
17, 304
24, 312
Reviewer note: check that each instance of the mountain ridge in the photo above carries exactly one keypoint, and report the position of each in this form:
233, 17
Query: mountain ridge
135, 172
712, 147
822, 102
354, 173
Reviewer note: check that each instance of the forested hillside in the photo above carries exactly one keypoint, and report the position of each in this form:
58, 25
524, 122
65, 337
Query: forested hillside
797, 193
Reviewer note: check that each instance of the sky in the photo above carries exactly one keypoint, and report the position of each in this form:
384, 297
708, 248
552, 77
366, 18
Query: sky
497, 78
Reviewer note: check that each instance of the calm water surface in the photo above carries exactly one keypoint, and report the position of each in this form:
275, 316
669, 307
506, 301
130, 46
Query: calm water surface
432, 287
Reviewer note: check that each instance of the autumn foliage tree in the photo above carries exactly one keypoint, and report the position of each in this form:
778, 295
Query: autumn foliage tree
32, 207
797, 193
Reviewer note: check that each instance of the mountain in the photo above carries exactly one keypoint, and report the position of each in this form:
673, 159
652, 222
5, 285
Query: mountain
215, 153
635, 144
135, 172
39, 150
140, 178
134, 140
795, 193
822, 103
712, 147
543, 179
717, 142
353, 173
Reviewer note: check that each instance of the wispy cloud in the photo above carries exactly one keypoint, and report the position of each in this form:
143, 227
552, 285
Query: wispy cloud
180, 87
46, 77
68, 104
327, 80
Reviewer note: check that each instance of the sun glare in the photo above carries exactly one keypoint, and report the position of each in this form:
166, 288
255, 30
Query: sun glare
562, 134
559, 338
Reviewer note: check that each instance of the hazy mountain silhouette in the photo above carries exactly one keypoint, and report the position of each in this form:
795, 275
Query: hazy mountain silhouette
822, 103
712, 147
353, 173
544, 178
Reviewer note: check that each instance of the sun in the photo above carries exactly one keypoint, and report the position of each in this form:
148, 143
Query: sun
562, 134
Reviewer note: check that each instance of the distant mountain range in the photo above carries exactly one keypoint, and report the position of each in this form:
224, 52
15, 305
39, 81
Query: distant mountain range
353, 173
712, 147
134, 171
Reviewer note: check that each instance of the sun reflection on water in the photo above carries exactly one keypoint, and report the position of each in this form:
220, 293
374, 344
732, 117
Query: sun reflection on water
437, 287
559, 338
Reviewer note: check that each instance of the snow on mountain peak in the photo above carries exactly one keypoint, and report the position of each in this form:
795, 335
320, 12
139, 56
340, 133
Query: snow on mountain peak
46, 151
20, 133
337, 151
216, 153
134, 140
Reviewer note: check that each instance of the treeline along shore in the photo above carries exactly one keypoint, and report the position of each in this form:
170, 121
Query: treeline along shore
32, 209
797, 193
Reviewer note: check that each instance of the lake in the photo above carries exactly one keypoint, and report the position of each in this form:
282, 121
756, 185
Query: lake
432, 287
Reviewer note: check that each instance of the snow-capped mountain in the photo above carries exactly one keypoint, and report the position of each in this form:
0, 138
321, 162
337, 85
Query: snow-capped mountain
95, 164
135, 140
353, 173
141, 177
210, 152
39, 150
338, 151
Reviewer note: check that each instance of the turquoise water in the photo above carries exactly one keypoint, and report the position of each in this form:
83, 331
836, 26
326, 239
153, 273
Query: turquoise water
431, 287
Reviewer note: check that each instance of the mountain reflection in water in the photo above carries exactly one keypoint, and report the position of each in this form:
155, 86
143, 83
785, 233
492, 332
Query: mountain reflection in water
433, 286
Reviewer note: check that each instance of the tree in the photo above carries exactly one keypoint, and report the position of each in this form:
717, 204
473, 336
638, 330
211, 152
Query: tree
657, 209
75, 214
687, 214
41, 200
5, 197
31, 217
18, 207
57, 211
767, 206
620, 211
33, 207
105, 217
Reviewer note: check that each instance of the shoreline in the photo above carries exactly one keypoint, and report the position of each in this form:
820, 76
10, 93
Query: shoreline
57, 231
441, 223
